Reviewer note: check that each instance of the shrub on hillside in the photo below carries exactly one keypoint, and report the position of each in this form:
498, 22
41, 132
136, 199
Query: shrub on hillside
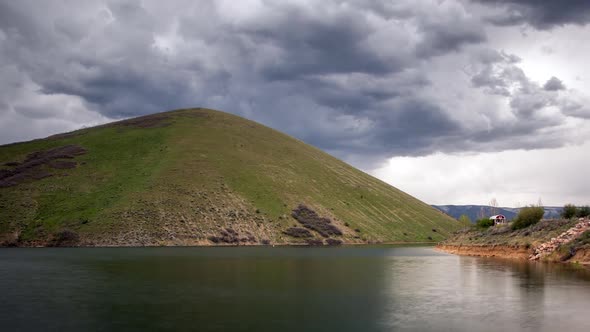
311, 220
569, 211
333, 242
583, 211
582, 242
314, 242
484, 223
298, 232
527, 216
65, 238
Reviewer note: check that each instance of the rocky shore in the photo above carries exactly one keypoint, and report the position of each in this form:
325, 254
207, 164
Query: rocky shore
550, 241
548, 248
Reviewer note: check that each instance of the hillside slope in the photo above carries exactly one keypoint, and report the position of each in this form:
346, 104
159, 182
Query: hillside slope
197, 177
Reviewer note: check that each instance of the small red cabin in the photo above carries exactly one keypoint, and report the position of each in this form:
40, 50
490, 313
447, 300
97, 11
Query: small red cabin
499, 219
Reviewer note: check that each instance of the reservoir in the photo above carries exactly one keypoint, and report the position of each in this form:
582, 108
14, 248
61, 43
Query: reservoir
387, 288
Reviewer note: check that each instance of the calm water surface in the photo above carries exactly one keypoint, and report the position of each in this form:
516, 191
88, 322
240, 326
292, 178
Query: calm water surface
285, 289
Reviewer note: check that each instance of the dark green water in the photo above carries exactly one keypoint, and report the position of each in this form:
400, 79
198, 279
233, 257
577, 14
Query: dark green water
285, 289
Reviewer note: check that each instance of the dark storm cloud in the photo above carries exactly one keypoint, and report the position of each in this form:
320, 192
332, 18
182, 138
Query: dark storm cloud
449, 33
541, 14
554, 84
427, 122
357, 78
387, 131
319, 45
355, 92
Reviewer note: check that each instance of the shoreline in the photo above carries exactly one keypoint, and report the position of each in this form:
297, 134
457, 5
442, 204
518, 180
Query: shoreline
515, 252
231, 245
501, 251
550, 240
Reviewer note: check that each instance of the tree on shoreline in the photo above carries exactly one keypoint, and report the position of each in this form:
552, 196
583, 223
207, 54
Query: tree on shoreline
569, 211
583, 211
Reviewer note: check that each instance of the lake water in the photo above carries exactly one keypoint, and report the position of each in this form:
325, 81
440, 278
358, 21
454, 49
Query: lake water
285, 289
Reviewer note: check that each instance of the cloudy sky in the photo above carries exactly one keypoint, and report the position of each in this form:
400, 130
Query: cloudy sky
455, 102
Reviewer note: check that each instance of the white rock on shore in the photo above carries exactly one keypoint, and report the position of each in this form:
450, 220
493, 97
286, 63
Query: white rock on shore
571, 234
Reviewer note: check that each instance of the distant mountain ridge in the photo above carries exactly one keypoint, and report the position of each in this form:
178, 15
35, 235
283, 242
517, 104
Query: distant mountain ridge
474, 211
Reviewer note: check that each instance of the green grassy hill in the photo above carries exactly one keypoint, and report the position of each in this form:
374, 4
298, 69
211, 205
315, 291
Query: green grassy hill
197, 177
